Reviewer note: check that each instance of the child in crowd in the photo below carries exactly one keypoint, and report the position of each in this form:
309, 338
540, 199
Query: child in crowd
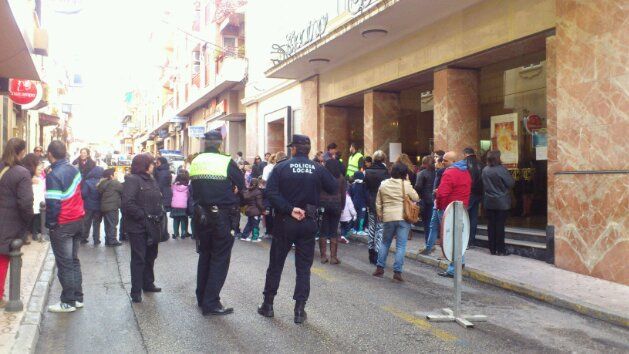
347, 217
360, 195
179, 204
110, 190
254, 209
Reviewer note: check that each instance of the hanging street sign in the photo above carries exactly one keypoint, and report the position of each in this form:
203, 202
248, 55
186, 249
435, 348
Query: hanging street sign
26, 93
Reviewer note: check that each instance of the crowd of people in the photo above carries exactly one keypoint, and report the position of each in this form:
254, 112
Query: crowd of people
365, 197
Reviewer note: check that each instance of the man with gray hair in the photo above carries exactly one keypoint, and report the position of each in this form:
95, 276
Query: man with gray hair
374, 175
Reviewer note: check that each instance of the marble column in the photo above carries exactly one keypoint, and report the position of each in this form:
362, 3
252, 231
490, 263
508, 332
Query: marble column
456, 109
382, 111
591, 182
310, 111
252, 131
335, 128
551, 124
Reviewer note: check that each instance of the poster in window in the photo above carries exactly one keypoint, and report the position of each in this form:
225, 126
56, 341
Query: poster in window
504, 137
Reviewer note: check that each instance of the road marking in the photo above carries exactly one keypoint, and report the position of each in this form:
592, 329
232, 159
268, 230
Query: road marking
421, 324
322, 273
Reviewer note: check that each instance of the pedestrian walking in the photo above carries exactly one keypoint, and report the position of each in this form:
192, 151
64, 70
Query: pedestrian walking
84, 162
355, 162
64, 214
455, 185
110, 190
254, 210
333, 205
374, 176
32, 162
294, 189
497, 182
424, 187
360, 197
348, 218
476, 194
16, 203
143, 212
164, 179
216, 185
91, 202
179, 204
390, 210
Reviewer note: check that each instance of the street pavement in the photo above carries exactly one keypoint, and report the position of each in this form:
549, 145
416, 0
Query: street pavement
349, 311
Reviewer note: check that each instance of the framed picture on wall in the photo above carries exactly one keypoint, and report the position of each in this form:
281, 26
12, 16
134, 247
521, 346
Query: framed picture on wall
504, 137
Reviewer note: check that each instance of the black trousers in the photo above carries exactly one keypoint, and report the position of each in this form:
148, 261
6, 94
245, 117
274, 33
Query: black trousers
496, 229
235, 219
111, 223
215, 247
286, 232
142, 262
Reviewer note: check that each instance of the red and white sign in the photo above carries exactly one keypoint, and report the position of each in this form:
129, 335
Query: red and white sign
533, 123
26, 93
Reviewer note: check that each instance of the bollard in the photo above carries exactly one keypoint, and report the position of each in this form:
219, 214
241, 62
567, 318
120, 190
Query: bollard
15, 303
42, 221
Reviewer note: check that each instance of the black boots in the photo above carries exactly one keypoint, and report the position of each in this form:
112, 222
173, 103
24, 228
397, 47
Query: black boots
300, 312
266, 309
373, 256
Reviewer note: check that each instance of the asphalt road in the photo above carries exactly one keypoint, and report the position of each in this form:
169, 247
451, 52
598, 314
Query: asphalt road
349, 311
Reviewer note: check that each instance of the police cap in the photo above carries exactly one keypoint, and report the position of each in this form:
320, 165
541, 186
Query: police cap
213, 135
299, 139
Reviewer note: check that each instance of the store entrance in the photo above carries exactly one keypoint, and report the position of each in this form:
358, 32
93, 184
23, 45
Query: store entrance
275, 136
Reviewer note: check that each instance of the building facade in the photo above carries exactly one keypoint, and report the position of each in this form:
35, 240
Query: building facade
544, 81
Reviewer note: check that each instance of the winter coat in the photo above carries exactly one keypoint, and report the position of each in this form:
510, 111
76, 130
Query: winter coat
164, 180
254, 205
358, 191
349, 212
181, 194
39, 193
497, 182
373, 177
475, 169
256, 170
64, 203
389, 201
141, 197
89, 191
84, 166
456, 185
111, 194
335, 202
16, 205
423, 185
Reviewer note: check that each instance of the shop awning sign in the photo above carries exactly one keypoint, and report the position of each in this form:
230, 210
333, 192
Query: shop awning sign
196, 131
26, 93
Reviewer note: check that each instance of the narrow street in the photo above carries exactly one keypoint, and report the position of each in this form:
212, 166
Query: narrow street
349, 311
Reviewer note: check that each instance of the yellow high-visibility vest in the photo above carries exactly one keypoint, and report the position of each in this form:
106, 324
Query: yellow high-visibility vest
352, 165
210, 166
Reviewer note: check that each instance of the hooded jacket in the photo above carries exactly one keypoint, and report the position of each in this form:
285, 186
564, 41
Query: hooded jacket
373, 177
89, 191
181, 193
164, 181
64, 203
254, 205
111, 194
358, 191
456, 184
16, 205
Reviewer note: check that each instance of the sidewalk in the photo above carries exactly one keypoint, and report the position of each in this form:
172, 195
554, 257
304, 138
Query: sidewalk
590, 296
19, 330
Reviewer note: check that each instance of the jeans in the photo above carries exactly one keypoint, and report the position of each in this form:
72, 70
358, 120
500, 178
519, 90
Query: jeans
253, 222
359, 225
111, 222
472, 211
450, 269
180, 222
426, 211
142, 263
401, 229
65, 240
435, 225
92, 219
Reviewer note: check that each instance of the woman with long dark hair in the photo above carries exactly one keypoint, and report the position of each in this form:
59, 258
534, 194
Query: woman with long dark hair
144, 213
497, 183
333, 205
16, 202
32, 162
84, 162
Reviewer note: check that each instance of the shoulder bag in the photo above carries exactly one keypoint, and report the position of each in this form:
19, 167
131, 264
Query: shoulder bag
411, 210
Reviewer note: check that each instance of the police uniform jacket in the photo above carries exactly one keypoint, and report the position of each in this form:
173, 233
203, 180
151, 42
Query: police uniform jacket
213, 178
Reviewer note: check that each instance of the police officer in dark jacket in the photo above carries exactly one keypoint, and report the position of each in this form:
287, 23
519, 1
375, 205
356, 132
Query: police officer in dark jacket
293, 189
216, 184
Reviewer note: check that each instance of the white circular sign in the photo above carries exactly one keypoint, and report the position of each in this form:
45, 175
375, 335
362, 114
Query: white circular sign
447, 226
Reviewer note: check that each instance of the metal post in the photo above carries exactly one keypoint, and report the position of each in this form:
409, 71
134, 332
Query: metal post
42, 221
15, 303
457, 240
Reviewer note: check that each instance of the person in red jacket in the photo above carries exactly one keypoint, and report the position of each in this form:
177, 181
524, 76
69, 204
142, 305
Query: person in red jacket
456, 185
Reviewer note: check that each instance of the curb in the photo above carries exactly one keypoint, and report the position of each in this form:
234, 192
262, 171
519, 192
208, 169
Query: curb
28, 332
524, 289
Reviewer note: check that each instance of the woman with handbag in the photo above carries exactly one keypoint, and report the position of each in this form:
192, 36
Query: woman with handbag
333, 205
396, 208
143, 211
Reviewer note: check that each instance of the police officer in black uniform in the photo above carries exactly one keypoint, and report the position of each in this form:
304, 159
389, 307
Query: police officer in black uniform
293, 189
216, 182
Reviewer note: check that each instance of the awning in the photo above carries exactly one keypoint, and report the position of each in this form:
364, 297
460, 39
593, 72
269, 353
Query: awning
16, 60
46, 120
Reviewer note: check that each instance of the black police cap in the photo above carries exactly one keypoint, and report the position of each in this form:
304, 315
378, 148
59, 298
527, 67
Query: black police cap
299, 139
213, 135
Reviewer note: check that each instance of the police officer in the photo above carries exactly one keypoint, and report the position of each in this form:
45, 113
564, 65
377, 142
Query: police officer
216, 182
293, 189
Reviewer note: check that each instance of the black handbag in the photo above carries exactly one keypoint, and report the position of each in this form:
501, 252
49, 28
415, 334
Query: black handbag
155, 230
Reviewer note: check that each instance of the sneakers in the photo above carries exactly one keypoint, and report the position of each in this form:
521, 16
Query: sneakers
78, 304
62, 307
256, 240
343, 240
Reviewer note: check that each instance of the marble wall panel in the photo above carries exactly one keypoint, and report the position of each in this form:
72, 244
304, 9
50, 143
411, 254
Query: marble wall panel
335, 128
382, 112
551, 124
456, 109
310, 110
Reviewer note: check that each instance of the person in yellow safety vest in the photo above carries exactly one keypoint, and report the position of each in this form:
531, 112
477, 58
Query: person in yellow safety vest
355, 162
216, 184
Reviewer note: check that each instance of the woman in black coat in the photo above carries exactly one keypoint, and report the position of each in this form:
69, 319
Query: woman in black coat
497, 183
84, 162
164, 180
333, 205
16, 202
143, 212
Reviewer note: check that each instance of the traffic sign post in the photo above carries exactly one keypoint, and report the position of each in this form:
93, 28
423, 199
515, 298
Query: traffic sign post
455, 238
